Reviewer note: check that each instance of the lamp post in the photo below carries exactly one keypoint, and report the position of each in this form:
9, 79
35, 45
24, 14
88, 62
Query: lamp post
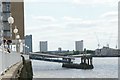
17, 37
15, 31
24, 48
11, 21
20, 43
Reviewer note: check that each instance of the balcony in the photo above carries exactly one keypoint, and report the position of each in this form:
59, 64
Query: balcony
6, 11
5, 21
6, 2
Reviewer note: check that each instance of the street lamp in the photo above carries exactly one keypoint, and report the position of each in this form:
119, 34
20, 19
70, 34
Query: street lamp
16, 31
20, 43
17, 37
11, 21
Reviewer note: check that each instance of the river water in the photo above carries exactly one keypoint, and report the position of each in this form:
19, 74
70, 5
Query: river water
103, 68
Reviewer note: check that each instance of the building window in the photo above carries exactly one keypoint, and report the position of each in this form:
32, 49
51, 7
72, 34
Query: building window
7, 7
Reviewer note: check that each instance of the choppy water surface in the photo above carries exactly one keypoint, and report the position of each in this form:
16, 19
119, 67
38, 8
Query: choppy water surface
103, 68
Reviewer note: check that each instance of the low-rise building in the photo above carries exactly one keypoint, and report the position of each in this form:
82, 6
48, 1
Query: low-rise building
106, 51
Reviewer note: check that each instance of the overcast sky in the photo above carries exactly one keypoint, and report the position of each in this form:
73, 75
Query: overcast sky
62, 22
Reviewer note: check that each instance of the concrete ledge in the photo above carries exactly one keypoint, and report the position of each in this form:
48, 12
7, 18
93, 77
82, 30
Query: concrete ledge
19, 71
12, 72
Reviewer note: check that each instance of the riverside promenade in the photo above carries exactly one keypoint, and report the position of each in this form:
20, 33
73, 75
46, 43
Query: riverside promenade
15, 66
8, 59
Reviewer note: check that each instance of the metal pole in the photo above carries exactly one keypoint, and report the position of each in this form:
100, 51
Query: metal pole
16, 45
24, 48
15, 42
11, 34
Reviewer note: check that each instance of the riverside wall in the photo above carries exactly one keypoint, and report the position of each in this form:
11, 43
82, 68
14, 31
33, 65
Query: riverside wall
26, 72
20, 71
7, 60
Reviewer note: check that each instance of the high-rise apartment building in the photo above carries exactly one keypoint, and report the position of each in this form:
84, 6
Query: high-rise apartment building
79, 45
43, 46
6, 10
28, 43
59, 49
17, 11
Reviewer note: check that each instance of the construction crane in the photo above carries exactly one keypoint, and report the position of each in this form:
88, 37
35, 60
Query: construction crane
116, 44
97, 40
109, 40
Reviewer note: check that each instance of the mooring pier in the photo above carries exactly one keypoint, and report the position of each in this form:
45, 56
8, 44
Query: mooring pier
85, 63
67, 61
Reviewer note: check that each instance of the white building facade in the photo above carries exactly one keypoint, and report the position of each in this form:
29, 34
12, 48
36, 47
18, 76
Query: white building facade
79, 45
43, 46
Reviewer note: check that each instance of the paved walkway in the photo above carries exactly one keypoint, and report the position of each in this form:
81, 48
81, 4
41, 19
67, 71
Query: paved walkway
11, 72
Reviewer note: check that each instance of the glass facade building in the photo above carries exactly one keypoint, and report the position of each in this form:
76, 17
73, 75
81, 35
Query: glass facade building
28, 43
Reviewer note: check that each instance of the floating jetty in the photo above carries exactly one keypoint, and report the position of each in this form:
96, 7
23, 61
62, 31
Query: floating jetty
86, 63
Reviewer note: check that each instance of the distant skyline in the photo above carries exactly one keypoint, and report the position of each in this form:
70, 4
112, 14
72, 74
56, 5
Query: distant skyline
62, 22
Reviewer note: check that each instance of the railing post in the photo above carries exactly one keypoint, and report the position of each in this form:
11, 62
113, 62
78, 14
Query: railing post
90, 60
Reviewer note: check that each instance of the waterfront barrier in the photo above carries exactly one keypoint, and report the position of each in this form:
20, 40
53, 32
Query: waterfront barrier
19, 71
12, 72
26, 72
7, 60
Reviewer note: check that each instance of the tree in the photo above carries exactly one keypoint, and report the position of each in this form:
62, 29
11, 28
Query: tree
76, 52
90, 52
